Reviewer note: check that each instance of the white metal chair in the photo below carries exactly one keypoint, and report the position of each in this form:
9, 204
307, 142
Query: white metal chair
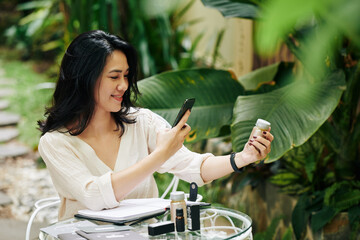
39, 205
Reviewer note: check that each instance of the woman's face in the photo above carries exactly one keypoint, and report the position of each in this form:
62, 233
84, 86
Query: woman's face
112, 83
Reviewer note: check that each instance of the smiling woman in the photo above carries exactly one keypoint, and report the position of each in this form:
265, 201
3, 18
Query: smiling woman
99, 149
112, 83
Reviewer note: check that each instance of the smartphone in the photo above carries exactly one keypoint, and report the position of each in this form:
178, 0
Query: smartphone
188, 104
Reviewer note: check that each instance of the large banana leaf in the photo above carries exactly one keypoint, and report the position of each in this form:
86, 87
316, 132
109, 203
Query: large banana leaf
238, 8
215, 92
295, 111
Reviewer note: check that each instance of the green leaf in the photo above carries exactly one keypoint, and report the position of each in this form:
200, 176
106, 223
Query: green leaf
284, 178
295, 189
295, 112
33, 5
343, 195
300, 216
241, 9
268, 78
215, 92
354, 215
288, 235
321, 218
331, 136
270, 232
347, 200
310, 167
255, 79
348, 12
52, 45
279, 18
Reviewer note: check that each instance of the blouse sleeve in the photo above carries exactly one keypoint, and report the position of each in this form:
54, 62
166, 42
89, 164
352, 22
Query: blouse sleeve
72, 178
185, 164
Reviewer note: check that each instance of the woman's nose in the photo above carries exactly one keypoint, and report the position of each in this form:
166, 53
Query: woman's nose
122, 85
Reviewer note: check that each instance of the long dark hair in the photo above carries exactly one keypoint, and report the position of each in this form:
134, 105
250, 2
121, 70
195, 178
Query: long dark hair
82, 64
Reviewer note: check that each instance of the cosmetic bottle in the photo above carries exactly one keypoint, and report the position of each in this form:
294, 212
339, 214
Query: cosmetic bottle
260, 126
180, 220
177, 201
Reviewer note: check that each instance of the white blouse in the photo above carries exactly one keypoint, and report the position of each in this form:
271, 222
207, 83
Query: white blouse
84, 181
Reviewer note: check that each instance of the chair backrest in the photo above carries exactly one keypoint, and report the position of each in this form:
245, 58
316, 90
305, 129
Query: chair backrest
39, 205
173, 185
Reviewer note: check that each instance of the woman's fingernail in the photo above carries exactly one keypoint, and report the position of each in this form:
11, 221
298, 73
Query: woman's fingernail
254, 136
250, 144
251, 140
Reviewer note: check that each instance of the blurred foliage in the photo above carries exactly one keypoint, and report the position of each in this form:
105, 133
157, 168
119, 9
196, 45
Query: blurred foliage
272, 232
156, 29
8, 16
325, 38
39, 32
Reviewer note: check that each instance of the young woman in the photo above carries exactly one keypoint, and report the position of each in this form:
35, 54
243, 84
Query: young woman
100, 149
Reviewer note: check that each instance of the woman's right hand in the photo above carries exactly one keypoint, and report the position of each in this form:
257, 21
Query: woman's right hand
169, 141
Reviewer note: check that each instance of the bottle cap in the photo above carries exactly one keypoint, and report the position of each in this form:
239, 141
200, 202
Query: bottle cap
177, 196
263, 124
179, 212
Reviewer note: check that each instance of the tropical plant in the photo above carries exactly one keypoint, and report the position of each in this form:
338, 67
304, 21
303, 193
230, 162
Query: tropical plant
38, 31
317, 94
156, 29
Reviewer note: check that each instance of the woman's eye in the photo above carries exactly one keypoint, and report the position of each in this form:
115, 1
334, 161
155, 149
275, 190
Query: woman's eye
114, 77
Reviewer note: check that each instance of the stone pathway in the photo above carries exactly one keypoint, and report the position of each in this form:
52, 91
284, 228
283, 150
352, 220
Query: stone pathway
21, 182
8, 121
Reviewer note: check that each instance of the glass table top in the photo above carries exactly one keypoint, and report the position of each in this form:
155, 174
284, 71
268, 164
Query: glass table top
215, 223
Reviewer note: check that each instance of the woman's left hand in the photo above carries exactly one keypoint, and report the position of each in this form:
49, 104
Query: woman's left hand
257, 147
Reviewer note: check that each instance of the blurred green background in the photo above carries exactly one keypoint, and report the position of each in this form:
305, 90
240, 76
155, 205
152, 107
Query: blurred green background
294, 63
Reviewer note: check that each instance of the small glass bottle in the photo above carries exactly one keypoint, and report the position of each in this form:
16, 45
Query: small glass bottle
260, 126
177, 201
180, 220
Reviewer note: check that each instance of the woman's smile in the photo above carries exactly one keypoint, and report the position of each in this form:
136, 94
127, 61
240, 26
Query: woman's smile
118, 98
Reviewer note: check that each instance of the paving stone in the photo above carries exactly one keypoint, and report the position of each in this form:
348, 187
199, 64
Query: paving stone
45, 85
8, 118
4, 104
4, 199
15, 230
12, 150
7, 81
6, 134
5, 92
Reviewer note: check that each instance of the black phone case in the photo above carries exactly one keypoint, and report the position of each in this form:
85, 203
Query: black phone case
188, 104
